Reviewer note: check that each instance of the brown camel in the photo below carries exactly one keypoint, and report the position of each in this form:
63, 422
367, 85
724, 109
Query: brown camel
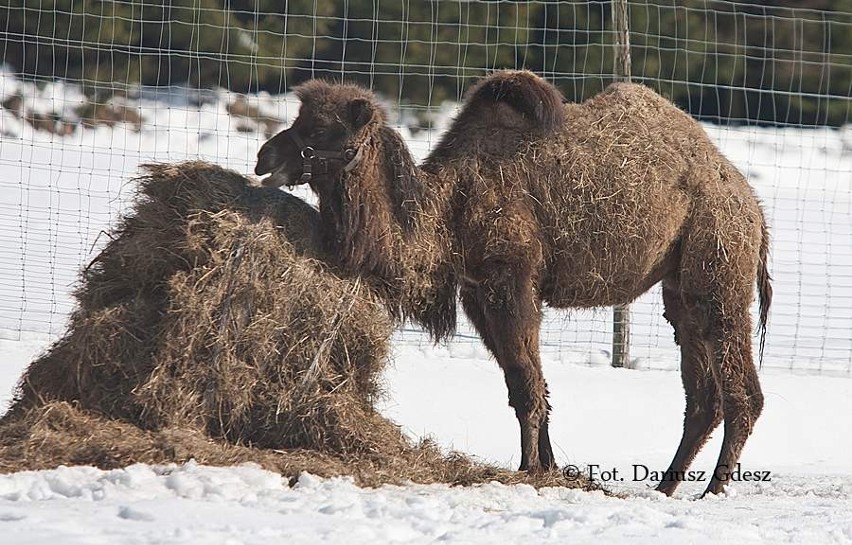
527, 200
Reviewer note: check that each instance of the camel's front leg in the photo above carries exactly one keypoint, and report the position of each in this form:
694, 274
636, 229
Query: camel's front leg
504, 310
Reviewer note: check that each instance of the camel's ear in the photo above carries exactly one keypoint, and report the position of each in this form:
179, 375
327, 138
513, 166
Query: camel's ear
361, 112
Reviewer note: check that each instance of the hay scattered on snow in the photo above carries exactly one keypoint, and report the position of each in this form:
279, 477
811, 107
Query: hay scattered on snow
60, 433
209, 328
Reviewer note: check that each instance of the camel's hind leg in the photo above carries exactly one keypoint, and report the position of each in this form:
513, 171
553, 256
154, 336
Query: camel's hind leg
742, 399
505, 312
703, 396
718, 372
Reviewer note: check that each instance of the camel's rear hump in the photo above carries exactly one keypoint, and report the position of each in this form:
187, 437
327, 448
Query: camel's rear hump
617, 188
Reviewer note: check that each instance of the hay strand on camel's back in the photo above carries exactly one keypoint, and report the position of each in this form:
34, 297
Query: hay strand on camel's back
209, 328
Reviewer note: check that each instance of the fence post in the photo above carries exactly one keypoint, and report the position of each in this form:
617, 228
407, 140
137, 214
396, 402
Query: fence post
621, 69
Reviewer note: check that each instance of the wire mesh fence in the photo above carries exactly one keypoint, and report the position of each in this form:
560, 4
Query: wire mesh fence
92, 89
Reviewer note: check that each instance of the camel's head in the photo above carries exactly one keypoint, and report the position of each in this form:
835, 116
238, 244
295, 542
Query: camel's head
326, 140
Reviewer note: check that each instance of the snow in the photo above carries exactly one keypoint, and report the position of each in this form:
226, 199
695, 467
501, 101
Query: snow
192, 504
58, 194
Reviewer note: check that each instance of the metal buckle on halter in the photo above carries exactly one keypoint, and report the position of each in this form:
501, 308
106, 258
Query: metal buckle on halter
352, 156
307, 163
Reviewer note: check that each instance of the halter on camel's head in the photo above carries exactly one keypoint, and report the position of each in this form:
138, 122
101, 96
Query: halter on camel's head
322, 158
327, 138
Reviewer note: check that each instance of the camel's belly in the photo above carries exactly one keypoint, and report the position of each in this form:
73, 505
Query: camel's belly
590, 289
607, 269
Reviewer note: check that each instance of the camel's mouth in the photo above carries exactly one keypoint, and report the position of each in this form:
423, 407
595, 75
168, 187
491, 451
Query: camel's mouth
279, 177
271, 162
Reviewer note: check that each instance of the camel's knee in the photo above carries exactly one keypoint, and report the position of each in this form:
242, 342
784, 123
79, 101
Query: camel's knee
527, 395
740, 414
755, 400
520, 395
702, 389
756, 405
743, 398
705, 412
755, 393
716, 415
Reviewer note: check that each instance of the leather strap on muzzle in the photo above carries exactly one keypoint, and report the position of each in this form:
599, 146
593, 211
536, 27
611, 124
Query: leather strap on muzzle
351, 155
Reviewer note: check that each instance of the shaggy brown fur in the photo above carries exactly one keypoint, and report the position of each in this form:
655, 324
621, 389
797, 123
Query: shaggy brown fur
206, 330
520, 204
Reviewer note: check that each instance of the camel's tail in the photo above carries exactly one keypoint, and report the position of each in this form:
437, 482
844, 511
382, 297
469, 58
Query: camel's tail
526, 92
764, 287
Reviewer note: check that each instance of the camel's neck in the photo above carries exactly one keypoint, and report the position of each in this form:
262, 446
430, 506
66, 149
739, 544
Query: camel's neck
386, 221
375, 214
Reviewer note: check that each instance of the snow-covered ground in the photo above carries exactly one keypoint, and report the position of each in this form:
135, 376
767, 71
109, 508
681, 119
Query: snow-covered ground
195, 505
601, 416
58, 194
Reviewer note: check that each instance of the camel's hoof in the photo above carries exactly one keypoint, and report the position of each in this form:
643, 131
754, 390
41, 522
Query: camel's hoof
713, 490
532, 469
667, 487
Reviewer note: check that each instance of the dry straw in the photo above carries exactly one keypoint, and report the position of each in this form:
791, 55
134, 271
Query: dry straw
209, 328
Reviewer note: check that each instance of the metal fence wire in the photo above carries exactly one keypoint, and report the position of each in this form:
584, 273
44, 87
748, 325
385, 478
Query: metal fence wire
91, 89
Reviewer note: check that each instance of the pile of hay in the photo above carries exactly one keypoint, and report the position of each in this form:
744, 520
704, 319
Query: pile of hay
210, 328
